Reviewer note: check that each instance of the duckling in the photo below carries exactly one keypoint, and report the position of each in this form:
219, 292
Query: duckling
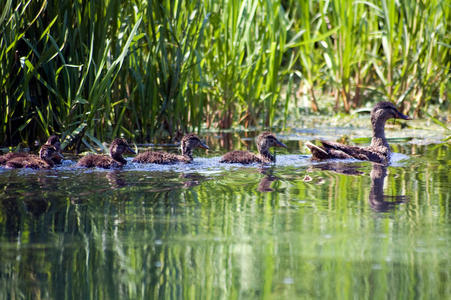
188, 144
53, 140
379, 150
264, 141
44, 161
116, 160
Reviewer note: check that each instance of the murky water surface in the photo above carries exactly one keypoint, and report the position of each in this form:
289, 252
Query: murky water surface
296, 229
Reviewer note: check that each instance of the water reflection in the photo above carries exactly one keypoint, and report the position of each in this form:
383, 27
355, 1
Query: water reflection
242, 232
338, 167
267, 180
377, 198
115, 180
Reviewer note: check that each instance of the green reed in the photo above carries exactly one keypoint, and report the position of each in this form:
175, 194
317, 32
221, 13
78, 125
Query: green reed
156, 69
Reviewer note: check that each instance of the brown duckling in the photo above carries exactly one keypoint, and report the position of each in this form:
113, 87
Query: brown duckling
53, 140
264, 141
115, 160
45, 160
379, 150
187, 145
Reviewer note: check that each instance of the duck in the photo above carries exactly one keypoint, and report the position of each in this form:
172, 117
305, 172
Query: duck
53, 140
378, 151
45, 160
265, 141
188, 143
115, 160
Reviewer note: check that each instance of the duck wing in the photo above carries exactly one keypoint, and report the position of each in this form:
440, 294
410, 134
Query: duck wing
240, 157
361, 153
322, 153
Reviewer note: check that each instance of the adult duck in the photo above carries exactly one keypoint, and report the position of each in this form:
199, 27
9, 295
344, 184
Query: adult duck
379, 150
53, 140
187, 145
265, 141
45, 160
118, 147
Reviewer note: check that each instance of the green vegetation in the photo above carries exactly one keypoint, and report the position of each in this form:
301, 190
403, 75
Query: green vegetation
90, 71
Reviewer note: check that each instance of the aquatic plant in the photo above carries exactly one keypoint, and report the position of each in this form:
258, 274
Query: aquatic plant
156, 69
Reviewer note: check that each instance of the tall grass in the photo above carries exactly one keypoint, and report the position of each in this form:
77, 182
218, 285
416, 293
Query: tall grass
155, 69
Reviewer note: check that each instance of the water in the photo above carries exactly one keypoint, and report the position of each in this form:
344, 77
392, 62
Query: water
297, 229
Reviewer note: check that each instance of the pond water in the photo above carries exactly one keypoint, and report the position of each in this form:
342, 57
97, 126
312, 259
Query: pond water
295, 229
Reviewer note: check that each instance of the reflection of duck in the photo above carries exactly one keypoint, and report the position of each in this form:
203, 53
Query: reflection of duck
192, 179
338, 167
114, 180
264, 142
376, 198
378, 151
52, 140
47, 154
115, 160
265, 182
188, 144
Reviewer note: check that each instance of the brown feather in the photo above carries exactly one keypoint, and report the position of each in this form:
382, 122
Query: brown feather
240, 157
99, 161
160, 157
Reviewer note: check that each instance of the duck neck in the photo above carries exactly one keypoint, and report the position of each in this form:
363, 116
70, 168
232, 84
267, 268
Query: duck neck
379, 139
49, 161
266, 155
188, 154
119, 158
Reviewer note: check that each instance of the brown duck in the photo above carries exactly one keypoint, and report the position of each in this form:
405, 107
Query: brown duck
379, 150
188, 144
115, 160
45, 160
265, 141
52, 140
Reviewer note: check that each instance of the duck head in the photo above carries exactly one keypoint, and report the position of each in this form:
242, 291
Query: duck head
385, 111
265, 141
381, 112
54, 140
189, 143
118, 147
49, 153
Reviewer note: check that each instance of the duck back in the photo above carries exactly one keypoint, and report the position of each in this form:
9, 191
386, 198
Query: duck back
240, 157
11, 155
29, 161
160, 157
99, 161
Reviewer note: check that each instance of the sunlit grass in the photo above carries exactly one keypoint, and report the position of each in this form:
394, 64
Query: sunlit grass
153, 70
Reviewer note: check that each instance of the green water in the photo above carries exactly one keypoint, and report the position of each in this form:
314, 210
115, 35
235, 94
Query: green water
214, 232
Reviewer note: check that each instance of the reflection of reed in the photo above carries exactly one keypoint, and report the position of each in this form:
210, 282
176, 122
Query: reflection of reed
376, 197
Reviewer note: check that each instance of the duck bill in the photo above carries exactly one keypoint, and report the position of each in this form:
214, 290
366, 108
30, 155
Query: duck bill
203, 146
280, 144
400, 115
130, 150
